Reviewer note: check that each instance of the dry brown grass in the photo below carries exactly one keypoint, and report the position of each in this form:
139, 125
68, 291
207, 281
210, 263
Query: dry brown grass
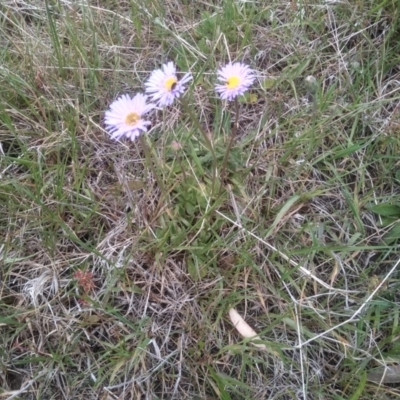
114, 287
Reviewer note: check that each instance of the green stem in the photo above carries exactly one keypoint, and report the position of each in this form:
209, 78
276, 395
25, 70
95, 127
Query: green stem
196, 122
233, 135
149, 162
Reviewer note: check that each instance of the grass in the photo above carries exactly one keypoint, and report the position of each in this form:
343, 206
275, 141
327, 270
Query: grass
117, 275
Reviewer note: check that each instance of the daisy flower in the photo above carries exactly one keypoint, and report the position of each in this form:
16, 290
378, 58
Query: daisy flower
236, 78
124, 118
163, 85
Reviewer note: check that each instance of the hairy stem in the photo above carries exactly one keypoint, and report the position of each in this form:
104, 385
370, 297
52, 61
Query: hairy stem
233, 135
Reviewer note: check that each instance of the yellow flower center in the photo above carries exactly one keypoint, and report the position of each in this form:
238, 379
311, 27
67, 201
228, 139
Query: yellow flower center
170, 83
132, 119
232, 82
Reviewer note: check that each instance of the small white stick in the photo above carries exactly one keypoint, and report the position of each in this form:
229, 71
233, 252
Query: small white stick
244, 328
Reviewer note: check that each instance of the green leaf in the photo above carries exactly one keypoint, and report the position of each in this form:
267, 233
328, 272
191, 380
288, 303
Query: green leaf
248, 98
392, 235
190, 209
197, 270
294, 199
219, 388
268, 83
348, 150
8, 321
357, 394
386, 221
386, 210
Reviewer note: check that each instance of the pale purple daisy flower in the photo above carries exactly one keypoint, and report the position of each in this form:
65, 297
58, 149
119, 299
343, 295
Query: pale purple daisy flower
124, 118
237, 78
164, 86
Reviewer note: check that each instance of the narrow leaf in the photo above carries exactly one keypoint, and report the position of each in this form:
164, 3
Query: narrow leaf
359, 391
386, 210
288, 205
